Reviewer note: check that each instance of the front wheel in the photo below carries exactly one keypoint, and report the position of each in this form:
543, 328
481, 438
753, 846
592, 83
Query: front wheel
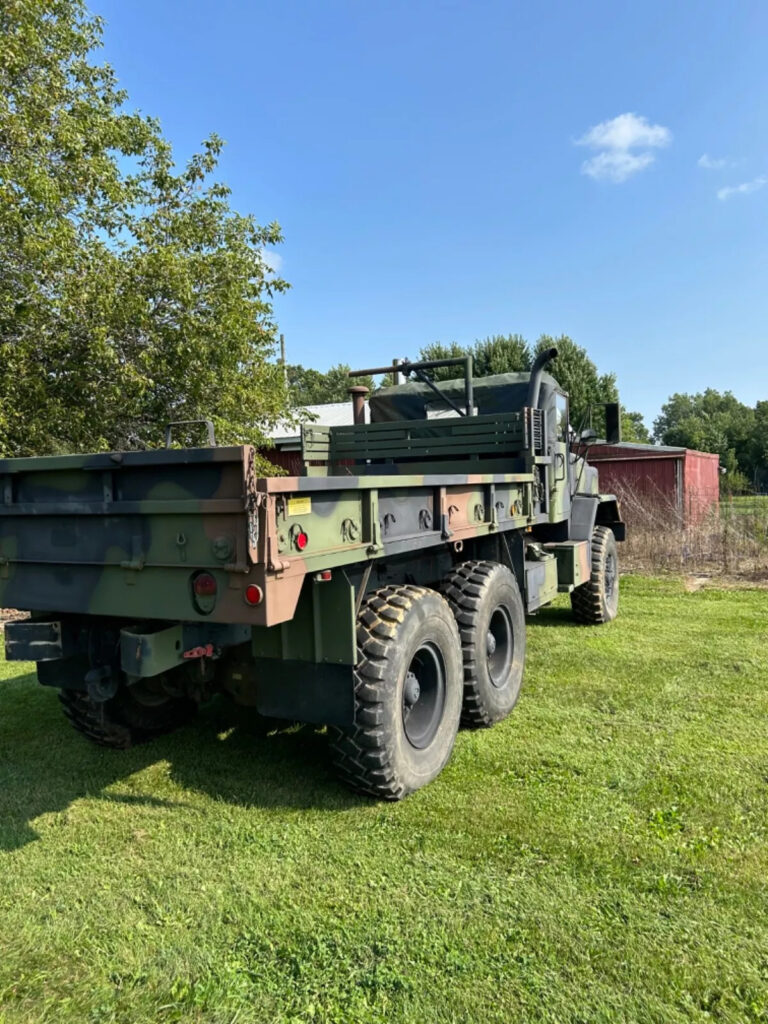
408, 689
597, 600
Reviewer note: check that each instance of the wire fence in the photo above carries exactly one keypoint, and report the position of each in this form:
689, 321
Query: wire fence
729, 537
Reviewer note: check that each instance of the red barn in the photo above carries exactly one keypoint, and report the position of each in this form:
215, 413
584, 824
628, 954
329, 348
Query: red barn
684, 480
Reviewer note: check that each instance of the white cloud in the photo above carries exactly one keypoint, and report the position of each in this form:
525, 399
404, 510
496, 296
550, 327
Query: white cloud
616, 165
710, 163
616, 139
272, 260
627, 131
742, 190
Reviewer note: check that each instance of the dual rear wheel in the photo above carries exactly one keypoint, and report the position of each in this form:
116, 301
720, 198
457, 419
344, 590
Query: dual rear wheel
427, 661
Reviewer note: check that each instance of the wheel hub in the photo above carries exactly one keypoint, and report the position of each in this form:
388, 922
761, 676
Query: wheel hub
102, 684
412, 690
610, 575
499, 646
423, 698
150, 692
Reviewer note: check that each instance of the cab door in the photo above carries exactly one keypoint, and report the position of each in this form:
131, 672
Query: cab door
561, 470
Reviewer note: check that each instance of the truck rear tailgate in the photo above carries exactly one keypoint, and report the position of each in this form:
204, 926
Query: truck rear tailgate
123, 534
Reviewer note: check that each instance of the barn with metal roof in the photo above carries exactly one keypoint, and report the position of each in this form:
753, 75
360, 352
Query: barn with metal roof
681, 479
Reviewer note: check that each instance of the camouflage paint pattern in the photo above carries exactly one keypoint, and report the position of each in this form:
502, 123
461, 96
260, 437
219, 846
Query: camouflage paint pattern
124, 534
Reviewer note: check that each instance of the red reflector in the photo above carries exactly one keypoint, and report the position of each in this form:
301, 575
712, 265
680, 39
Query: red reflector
253, 594
324, 576
204, 585
301, 540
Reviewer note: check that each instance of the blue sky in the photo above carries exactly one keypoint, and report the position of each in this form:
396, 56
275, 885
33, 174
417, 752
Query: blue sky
449, 170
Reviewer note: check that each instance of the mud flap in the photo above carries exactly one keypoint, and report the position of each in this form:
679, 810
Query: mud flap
305, 692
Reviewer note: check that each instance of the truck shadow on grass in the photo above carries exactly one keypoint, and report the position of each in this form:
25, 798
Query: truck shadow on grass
554, 617
228, 753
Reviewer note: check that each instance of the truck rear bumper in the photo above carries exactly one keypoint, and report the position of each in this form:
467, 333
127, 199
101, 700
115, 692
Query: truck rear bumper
144, 652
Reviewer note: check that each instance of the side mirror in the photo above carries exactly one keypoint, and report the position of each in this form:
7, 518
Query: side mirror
612, 423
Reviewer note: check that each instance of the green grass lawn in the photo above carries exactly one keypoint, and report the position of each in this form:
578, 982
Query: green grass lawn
601, 856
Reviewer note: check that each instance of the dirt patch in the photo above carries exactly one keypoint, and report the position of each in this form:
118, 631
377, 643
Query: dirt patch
694, 583
745, 581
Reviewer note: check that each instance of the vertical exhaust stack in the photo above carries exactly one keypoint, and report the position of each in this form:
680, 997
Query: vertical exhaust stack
358, 393
534, 386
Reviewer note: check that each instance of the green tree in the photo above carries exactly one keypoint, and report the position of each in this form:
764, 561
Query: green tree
711, 421
131, 292
577, 374
437, 350
714, 421
633, 428
312, 387
501, 353
758, 447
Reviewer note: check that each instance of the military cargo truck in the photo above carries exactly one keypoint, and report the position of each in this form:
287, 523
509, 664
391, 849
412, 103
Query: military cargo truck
382, 593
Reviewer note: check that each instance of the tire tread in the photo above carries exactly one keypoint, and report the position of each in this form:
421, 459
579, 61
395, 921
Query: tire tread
360, 752
464, 588
107, 725
588, 600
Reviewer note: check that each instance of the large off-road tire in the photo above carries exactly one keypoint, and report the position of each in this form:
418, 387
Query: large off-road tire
408, 690
486, 600
597, 600
130, 717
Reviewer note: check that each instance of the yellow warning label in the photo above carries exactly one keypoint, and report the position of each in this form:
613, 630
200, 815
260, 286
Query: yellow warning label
299, 506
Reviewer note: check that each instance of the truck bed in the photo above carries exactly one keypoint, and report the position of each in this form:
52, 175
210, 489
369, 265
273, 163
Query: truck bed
123, 534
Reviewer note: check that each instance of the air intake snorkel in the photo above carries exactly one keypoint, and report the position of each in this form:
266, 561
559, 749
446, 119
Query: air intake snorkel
534, 384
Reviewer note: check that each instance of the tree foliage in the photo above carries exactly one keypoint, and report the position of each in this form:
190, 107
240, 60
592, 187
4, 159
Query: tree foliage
312, 387
758, 448
633, 428
131, 292
714, 421
577, 374
496, 354
502, 353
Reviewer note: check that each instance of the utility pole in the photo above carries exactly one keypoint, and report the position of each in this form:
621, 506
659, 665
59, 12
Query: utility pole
282, 359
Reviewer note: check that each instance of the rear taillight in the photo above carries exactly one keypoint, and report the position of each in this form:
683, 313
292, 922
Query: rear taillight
204, 591
204, 585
